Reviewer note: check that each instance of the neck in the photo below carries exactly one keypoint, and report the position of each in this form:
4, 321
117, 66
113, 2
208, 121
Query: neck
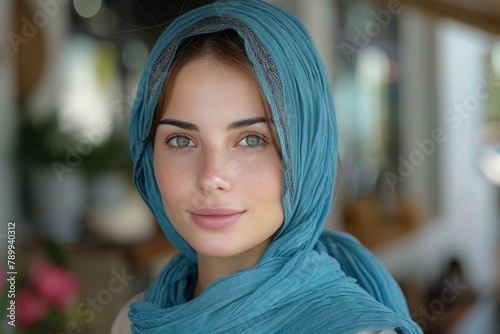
211, 268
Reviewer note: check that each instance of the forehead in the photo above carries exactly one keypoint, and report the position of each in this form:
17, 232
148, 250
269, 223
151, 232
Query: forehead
205, 86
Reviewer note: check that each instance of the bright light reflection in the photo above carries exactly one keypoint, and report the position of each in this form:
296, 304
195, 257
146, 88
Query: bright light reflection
495, 58
87, 8
490, 165
85, 100
372, 73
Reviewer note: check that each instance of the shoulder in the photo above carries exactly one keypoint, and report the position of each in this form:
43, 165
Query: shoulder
122, 324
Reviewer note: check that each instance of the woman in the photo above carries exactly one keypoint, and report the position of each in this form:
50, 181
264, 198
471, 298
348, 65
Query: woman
235, 147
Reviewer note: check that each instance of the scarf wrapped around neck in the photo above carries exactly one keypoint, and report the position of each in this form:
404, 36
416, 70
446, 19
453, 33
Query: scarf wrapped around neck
309, 280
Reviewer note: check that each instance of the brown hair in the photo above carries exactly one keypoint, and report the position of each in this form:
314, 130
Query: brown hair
225, 47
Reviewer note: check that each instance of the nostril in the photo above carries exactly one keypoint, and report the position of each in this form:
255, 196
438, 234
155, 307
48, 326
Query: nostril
212, 181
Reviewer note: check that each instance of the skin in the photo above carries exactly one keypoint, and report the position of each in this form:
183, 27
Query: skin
206, 157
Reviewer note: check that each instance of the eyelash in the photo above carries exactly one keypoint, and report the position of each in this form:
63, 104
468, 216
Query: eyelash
173, 136
177, 135
265, 141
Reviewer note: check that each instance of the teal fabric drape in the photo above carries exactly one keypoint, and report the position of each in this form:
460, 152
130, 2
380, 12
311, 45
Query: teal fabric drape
309, 280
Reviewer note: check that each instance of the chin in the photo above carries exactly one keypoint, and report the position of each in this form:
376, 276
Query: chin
221, 250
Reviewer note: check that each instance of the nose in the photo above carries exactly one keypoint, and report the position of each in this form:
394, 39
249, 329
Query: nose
214, 172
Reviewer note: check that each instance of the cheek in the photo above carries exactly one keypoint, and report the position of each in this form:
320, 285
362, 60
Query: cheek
170, 177
264, 180
265, 187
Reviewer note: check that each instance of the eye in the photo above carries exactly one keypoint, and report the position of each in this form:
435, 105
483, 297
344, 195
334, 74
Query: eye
179, 141
253, 140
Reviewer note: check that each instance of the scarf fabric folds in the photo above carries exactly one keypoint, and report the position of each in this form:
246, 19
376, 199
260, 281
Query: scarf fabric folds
309, 280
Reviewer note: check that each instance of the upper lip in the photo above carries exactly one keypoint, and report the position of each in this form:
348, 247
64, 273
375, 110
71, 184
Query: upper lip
216, 212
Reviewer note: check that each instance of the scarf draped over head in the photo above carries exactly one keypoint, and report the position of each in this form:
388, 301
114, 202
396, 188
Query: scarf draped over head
309, 280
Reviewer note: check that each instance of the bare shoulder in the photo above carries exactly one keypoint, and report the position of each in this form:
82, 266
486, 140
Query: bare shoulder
122, 324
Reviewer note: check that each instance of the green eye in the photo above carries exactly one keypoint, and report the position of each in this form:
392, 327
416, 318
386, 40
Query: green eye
180, 141
251, 141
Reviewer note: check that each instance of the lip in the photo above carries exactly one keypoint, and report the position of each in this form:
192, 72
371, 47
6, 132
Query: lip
215, 218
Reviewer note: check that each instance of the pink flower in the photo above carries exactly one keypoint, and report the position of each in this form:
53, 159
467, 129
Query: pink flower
54, 283
31, 307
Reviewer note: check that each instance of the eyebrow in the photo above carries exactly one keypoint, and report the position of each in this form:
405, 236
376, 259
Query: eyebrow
246, 122
179, 124
234, 125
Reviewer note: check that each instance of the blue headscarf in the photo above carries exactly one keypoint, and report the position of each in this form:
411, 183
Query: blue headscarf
309, 280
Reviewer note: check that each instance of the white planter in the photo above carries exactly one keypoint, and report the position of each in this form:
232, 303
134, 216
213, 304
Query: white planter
117, 213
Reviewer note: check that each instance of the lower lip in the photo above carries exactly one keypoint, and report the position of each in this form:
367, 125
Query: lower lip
215, 222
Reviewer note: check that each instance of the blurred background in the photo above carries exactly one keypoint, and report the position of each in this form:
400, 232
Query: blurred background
417, 95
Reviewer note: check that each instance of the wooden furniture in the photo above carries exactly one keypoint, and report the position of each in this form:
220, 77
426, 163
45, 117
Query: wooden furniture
484, 14
368, 221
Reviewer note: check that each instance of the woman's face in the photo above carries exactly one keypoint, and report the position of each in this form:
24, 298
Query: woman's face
219, 175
